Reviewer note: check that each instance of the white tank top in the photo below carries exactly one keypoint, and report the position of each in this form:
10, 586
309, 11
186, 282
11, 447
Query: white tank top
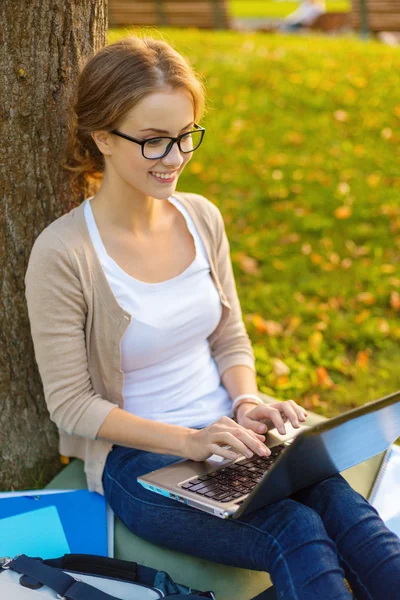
169, 373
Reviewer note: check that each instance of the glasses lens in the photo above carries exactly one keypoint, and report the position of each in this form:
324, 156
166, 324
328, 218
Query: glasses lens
191, 141
155, 148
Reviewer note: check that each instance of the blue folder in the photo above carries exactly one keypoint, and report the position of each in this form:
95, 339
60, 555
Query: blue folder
83, 515
14, 539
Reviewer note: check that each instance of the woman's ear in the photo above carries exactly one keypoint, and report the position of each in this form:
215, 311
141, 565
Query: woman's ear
102, 140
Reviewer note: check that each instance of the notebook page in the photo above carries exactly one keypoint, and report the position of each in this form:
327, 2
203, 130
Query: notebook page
385, 495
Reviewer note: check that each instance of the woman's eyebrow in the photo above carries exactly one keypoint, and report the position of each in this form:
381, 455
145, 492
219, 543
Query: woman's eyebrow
163, 130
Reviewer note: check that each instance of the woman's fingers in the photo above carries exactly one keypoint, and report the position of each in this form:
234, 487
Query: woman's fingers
301, 413
242, 442
221, 451
291, 414
275, 416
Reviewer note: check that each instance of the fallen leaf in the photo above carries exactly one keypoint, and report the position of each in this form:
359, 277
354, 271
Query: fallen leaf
323, 378
341, 116
279, 367
362, 359
315, 341
395, 301
362, 316
366, 298
248, 264
343, 212
271, 328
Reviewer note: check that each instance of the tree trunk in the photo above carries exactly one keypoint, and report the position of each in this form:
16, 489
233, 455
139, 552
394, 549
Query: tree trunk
43, 44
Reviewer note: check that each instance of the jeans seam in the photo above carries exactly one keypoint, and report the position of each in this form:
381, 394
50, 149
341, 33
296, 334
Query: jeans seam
259, 531
357, 577
354, 573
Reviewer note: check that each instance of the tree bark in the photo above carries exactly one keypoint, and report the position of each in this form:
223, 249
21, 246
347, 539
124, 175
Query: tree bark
43, 45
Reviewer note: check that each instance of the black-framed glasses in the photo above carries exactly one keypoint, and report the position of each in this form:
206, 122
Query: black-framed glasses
158, 147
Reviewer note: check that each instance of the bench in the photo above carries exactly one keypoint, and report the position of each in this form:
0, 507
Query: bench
382, 15
228, 583
203, 14
331, 21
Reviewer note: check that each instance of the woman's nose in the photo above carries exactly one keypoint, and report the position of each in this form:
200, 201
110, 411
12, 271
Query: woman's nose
174, 157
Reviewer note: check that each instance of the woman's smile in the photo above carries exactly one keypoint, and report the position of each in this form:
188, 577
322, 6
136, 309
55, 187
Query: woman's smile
164, 177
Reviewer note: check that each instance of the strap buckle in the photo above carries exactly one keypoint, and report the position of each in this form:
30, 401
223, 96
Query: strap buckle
6, 560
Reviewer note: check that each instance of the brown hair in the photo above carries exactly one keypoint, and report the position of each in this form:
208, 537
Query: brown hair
111, 83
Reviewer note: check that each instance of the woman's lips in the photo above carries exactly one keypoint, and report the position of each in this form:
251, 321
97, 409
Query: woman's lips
170, 180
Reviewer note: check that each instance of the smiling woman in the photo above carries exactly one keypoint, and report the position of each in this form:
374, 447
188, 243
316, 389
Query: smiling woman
143, 352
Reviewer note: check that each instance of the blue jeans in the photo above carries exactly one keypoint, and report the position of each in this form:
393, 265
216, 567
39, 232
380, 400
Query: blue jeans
308, 543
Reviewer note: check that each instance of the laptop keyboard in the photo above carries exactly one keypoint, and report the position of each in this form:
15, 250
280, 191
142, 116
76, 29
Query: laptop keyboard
235, 480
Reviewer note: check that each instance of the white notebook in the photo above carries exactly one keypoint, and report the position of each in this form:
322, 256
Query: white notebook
385, 493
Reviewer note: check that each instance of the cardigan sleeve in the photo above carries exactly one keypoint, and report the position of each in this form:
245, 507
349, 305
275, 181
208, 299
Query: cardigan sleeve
57, 314
233, 346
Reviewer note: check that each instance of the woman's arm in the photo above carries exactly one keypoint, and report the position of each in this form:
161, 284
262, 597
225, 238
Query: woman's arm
125, 429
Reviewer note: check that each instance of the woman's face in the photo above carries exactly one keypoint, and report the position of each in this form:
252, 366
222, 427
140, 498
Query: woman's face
171, 113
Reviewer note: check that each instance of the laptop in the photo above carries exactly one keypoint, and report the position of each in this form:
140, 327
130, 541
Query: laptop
233, 488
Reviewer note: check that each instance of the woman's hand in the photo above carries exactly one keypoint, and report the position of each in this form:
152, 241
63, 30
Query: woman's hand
260, 418
202, 444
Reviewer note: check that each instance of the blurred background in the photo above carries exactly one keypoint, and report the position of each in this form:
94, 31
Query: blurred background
301, 154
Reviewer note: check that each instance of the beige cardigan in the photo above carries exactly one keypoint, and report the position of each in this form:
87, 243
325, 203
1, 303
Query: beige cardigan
77, 326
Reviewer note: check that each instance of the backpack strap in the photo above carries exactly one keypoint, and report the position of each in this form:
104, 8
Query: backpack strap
64, 585
50, 572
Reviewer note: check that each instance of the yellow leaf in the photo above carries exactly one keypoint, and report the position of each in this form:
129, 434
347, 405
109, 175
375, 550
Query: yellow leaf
383, 326
293, 324
366, 298
343, 188
388, 268
195, 167
316, 259
277, 175
362, 316
295, 138
395, 301
323, 378
343, 212
281, 381
386, 133
341, 116
278, 265
362, 359
373, 180
271, 328
315, 341
328, 267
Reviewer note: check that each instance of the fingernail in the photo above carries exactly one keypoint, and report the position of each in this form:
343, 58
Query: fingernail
261, 451
249, 454
296, 424
261, 428
282, 430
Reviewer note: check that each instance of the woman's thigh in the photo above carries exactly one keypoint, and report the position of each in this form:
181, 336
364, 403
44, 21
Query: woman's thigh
286, 539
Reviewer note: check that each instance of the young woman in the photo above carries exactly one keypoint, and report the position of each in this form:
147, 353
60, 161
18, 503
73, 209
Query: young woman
142, 350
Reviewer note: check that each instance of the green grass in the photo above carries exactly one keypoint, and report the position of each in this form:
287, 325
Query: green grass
302, 156
273, 8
